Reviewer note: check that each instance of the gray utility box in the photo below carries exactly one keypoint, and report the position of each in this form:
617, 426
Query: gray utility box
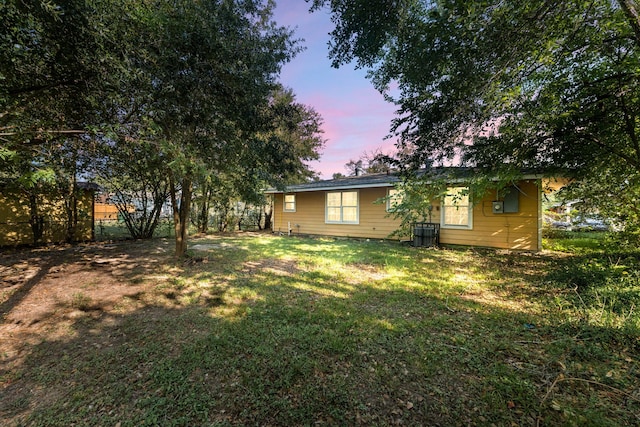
509, 203
426, 234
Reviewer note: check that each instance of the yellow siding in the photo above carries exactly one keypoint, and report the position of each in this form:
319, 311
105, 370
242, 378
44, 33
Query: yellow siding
508, 230
310, 216
14, 219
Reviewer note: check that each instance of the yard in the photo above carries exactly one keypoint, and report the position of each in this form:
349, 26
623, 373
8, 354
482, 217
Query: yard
261, 330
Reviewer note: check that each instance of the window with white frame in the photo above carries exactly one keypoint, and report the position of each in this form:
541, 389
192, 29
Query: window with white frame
342, 207
394, 198
456, 208
289, 202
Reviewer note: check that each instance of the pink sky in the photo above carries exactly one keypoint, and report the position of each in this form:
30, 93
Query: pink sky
356, 117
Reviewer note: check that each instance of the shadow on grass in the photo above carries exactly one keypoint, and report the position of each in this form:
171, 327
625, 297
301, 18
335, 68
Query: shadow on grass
282, 342
299, 357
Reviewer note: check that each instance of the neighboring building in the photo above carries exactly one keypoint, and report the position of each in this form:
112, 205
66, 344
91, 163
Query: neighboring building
104, 210
347, 207
16, 222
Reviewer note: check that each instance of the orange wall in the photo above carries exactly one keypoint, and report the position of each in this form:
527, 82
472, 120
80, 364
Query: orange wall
509, 230
105, 211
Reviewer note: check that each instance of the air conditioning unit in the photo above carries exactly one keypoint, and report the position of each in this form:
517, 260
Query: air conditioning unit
497, 207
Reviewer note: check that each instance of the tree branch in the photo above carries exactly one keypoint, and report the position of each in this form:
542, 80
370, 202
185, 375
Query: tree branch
55, 132
630, 160
40, 88
630, 9
629, 120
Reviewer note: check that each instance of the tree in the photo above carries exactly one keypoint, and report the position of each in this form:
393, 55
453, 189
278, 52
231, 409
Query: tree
412, 202
371, 162
195, 79
291, 137
288, 136
503, 86
59, 62
133, 173
209, 68
354, 167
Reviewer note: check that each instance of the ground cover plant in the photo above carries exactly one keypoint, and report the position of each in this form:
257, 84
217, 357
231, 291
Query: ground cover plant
255, 329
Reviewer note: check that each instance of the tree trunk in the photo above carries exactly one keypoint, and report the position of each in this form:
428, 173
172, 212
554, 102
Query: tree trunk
630, 9
268, 212
35, 219
181, 213
203, 217
260, 220
72, 211
241, 217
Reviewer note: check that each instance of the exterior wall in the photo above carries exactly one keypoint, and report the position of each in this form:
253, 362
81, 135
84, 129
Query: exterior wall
519, 230
506, 230
310, 216
14, 219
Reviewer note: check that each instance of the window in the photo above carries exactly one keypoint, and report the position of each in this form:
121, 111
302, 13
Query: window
289, 202
394, 198
456, 208
342, 207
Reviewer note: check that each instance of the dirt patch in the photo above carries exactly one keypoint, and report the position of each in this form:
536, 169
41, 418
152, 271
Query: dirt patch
44, 291
212, 246
281, 267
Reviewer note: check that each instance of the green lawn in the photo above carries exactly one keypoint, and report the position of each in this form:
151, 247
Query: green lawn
266, 330
574, 241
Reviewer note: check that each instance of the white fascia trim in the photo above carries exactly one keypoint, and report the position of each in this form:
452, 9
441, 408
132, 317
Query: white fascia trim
334, 188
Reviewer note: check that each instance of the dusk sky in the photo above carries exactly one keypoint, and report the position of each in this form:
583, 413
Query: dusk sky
356, 117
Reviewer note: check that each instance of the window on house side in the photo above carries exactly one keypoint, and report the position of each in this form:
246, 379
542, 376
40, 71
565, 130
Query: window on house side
394, 198
456, 208
289, 202
342, 207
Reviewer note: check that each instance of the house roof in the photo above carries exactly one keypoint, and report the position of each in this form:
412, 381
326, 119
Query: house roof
452, 174
363, 181
89, 186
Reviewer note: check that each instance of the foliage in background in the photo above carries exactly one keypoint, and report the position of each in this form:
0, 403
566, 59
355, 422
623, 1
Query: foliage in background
133, 175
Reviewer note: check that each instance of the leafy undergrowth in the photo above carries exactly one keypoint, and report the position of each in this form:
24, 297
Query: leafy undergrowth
268, 330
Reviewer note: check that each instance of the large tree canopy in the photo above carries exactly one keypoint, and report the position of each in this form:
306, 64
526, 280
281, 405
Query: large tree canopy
207, 73
551, 85
59, 61
190, 82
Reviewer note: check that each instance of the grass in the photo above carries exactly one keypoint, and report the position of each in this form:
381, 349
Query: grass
110, 229
574, 241
293, 331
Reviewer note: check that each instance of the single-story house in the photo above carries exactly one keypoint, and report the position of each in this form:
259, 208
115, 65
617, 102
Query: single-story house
350, 207
17, 217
